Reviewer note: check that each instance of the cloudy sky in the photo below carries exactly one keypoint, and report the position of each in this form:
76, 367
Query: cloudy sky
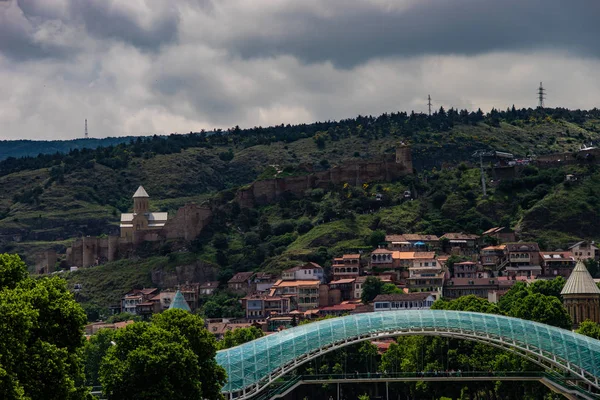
138, 67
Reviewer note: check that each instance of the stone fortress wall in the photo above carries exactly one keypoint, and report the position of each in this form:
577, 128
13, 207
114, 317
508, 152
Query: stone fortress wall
354, 173
187, 224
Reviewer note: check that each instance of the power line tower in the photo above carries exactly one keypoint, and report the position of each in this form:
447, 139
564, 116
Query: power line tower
541, 96
429, 103
86, 131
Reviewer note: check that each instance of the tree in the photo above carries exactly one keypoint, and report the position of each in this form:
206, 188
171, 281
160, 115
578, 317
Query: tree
124, 316
390, 288
202, 343
589, 328
548, 287
239, 336
467, 303
149, 362
41, 335
12, 271
541, 308
94, 351
371, 288
376, 238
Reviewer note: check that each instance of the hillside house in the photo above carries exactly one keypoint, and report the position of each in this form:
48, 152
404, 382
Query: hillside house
557, 263
381, 259
412, 242
340, 290
308, 271
491, 257
264, 281
303, 294
403, 301
426, 273
500, 234
347, 266
584, 250
259, 307
460, 243
138, 301
163, 299
522, 259
208, 288
242, 282
480, 287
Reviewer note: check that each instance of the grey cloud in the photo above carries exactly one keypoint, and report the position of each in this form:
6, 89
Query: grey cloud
357, 34
104, 20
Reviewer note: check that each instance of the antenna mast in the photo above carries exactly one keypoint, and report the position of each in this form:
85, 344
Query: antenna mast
429, 103
86, 131
541, 96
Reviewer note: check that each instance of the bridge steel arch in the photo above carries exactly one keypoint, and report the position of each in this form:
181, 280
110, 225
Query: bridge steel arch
252, 366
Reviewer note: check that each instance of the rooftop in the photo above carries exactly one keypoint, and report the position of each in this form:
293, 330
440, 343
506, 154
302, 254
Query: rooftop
529, 246
402, 297
179, 302
140, 192
241, 277
580, 281
459, 236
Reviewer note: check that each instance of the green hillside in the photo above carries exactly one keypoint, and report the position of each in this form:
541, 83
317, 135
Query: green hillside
59, 197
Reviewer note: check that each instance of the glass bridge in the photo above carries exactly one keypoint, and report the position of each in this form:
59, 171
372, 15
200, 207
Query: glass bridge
253, 366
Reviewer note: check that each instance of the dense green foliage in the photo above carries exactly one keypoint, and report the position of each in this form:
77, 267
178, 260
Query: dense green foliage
41, 336
171, 357
239, 336
589, 328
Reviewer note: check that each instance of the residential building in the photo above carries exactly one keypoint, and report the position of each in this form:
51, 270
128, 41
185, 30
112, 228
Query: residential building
412, 242
308, 271
522, 259
381, 259
460, 243
557, 263
426, 273
163, 299
219, 328
469, 269
133, 299
241, 282
347, 266
358, 285
208, 288
581, 296
303, 294
403, 301
584, 250
190, 294
337, 310
480, 287
500, 234
259, 307
491, 257
264, 281
340, 290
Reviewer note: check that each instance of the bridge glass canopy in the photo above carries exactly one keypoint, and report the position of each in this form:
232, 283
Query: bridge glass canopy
248, 364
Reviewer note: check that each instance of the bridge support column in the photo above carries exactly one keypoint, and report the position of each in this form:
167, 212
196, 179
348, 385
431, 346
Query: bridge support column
338, 391
387, 391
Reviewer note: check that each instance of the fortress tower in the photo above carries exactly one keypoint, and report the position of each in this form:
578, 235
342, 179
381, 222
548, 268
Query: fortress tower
404, 156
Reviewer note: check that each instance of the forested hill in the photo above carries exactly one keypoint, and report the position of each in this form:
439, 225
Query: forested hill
31, 148
61, 196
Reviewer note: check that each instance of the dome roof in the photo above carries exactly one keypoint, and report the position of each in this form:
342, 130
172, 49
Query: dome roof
580, 281
179, 302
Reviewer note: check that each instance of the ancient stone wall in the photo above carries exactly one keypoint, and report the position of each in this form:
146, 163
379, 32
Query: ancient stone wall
354, 173
187, 223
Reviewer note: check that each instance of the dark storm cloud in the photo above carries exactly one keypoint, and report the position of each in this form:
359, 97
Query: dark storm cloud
103, 20
358, 33
18, 36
